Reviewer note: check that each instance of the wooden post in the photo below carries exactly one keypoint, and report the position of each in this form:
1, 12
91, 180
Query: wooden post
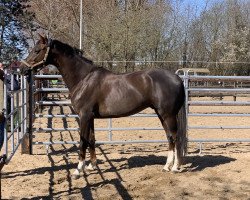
27, 140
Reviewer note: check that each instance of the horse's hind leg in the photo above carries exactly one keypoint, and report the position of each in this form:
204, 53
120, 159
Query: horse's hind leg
170, 126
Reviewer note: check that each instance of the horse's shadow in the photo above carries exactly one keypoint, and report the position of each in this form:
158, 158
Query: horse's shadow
196, 163
192, 163
201, 162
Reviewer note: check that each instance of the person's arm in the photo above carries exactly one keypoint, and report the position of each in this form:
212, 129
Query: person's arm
2, 75
1, 117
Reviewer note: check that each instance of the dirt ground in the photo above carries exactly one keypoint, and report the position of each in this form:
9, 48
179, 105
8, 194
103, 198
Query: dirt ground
134, 171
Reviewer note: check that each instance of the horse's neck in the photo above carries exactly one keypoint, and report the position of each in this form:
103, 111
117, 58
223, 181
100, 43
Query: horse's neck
73, 70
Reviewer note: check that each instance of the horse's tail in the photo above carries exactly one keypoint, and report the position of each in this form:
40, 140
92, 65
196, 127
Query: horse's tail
182, 132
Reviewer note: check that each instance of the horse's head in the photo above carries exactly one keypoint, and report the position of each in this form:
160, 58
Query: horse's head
37, 57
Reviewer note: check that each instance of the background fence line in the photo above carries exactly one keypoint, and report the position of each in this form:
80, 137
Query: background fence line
193, 88
28, 100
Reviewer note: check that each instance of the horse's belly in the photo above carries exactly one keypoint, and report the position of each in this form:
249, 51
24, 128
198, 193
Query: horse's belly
122, 107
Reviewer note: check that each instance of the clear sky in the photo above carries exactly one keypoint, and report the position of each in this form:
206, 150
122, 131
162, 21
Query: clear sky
198, 4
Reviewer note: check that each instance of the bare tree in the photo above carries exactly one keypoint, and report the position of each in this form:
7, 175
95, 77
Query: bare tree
144, 30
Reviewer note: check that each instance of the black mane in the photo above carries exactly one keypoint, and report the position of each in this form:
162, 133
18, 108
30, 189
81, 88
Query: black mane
70, 51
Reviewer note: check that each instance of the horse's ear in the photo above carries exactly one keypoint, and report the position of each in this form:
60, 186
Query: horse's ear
43, 38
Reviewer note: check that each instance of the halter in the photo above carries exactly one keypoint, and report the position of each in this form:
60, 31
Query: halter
42, 62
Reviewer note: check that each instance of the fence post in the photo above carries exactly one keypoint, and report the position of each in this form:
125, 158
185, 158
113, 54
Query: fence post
27, 140
110, 129
186, 86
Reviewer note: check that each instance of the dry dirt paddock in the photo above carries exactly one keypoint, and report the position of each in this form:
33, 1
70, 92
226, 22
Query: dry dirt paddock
134, 171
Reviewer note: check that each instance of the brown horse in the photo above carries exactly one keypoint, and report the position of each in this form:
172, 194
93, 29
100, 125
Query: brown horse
98, 93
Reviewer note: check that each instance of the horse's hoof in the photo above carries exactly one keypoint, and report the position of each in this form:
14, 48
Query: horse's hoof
166, 168
90, 167
75, 176
176, 171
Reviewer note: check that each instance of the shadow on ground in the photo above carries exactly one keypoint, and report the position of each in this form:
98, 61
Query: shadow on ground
196, 163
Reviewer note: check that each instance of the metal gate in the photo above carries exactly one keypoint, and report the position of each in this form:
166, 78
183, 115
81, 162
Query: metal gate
195, 86
15, 113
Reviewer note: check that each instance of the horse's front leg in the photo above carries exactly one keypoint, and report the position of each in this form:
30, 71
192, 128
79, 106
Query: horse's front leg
82, 155
84, 141
92, 164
